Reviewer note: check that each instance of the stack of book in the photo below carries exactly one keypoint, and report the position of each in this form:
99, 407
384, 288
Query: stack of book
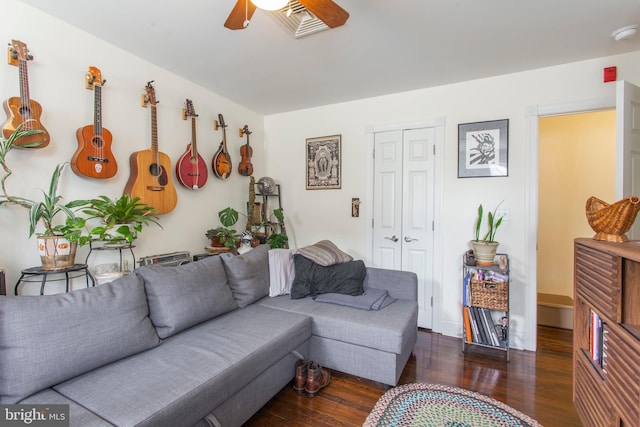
596, 338
480, 327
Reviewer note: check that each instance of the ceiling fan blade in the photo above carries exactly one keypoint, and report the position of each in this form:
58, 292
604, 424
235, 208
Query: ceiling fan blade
327, 11
243, 10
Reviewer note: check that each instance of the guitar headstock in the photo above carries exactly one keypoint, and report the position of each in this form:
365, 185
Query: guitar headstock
189, 110
17, 52
94, 78
219, 123
150, 97
244, 131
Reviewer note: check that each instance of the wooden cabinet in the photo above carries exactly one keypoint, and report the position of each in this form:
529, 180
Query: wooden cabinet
606, 337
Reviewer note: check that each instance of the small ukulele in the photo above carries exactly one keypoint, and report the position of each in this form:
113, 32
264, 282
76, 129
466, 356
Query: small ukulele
245, 168
23, 110
191, 169
221, 162
94, 158
150, 179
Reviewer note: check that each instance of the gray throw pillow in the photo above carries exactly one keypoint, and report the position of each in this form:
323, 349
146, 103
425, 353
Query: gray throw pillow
325, 253
185, 295
47, 339
248, 274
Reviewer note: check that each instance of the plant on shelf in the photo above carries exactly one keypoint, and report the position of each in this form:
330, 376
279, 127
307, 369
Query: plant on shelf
485, 248
121, 219
280, 239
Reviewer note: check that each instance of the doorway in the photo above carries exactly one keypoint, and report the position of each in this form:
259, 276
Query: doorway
425, 143
577, 160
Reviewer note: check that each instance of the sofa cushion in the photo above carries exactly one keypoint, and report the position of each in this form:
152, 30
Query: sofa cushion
388, 329
248, 274
50, 338
313, 279
191, 373
281, 271
185, 295
325, 253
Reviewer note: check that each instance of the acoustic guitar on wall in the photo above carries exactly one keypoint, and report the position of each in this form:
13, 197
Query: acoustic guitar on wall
245, 167
93, 158
221, 162
23, 110
191, 168
150, 178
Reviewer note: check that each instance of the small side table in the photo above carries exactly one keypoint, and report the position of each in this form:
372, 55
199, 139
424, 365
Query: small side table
72, 272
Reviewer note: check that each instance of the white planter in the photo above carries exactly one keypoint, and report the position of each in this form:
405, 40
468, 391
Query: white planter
484, 252
56, 253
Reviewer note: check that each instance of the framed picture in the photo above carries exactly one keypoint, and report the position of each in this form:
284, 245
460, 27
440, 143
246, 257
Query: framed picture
324, 161
483, 149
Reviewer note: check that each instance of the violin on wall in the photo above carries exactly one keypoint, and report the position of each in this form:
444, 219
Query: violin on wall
245, 168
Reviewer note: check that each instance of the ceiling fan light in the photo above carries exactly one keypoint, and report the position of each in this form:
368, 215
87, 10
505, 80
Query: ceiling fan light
270, 4
625, 33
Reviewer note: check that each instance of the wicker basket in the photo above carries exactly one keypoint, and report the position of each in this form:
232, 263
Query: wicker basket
611, 222
491, 295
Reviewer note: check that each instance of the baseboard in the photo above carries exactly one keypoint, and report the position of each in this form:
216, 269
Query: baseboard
555, 311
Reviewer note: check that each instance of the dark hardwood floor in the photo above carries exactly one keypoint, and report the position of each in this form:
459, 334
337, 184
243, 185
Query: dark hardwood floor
538, 384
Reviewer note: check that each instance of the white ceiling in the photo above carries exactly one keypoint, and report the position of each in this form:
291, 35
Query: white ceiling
386, 46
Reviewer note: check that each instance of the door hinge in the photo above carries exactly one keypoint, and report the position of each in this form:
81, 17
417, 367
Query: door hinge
374, 154
372, 222
434, 149
433, 225
431, 301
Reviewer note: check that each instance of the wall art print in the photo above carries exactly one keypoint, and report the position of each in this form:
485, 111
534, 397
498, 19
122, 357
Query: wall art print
483, 149
324, 162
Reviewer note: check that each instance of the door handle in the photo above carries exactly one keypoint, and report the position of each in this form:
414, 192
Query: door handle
409, 239
392, 238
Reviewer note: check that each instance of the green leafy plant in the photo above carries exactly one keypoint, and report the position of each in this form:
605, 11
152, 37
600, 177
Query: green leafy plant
279, 239
50, 207
227, 236
492, 223
120, 218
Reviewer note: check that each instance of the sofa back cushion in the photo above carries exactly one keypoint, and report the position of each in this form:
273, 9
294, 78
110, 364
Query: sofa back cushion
47, 339
248, 274
185, 295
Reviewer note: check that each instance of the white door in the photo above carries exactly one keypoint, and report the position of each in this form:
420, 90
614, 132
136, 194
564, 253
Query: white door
404, 208
628, 145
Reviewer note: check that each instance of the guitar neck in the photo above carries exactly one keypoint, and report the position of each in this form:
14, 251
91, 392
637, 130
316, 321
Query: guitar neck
154, 130
25, 99
194, 147
97, 110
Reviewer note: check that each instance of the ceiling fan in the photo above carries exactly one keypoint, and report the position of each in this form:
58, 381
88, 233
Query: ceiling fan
325, 10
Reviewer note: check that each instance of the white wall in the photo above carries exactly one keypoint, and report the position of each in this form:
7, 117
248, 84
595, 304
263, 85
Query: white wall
62, 54
326, 214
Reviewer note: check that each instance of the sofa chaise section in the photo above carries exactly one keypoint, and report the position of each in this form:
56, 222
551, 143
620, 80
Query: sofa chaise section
373, 344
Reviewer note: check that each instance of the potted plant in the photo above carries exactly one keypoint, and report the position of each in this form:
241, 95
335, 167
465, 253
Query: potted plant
57, 243
121, 219
279, 239
223, 237
485, 248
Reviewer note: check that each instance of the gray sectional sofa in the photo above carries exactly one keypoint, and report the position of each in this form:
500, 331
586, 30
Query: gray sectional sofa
198, 344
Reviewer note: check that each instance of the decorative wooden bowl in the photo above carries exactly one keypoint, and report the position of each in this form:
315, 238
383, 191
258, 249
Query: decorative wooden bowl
612, 221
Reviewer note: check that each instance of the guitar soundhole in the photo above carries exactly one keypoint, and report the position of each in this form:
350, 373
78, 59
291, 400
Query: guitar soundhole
97, 141
25, 111
155, 169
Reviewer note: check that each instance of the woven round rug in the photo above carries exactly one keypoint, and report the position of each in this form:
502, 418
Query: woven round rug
443, 406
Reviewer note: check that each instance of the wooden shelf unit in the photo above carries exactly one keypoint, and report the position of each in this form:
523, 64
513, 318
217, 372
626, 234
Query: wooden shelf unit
606, 387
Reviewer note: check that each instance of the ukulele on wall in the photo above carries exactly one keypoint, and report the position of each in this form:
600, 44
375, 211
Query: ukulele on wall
93, 158
23, 110
150, 179
245, 168
221, 162
191, 169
